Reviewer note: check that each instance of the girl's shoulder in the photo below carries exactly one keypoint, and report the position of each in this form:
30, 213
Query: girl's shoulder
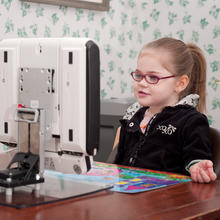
189, 116
184, 111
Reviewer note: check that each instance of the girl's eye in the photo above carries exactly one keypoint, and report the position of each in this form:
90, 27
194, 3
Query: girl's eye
138, 75
152, 78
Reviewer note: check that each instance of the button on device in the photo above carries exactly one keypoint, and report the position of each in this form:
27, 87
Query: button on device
131, 124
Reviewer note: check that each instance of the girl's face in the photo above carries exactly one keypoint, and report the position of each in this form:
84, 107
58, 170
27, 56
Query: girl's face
159, 95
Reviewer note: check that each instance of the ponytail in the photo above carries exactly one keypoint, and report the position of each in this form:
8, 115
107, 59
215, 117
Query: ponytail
197, 77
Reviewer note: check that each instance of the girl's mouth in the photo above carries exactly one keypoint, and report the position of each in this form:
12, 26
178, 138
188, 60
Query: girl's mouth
143, 94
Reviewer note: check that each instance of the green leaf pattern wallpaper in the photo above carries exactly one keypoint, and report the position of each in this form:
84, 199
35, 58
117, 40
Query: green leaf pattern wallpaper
122, 31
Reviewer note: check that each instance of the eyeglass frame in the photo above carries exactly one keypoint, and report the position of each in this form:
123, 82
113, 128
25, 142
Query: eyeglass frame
143, 76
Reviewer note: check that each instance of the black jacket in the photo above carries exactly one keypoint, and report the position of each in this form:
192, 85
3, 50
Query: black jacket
173, 138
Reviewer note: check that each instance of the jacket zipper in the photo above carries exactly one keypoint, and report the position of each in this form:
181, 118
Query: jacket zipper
133, 159
148, 125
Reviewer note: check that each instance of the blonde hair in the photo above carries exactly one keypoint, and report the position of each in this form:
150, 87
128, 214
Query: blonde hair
186, 59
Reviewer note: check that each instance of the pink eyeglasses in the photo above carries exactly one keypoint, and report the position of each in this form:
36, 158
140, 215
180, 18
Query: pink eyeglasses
150, 78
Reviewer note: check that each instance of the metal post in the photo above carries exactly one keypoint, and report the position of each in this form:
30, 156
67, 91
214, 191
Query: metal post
42, 140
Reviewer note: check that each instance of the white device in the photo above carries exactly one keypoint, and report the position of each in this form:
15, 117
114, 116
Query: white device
54, 82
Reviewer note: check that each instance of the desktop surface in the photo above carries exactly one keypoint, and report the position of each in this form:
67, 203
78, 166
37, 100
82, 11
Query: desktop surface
181, 201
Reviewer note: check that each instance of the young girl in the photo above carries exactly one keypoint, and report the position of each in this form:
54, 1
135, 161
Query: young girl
168, 133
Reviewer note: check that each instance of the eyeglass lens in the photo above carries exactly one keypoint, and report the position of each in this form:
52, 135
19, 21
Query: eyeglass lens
149, 78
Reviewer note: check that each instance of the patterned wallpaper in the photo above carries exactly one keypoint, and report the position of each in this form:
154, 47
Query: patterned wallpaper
121, 32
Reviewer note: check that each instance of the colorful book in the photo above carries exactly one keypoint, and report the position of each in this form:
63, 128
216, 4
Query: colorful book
124, 179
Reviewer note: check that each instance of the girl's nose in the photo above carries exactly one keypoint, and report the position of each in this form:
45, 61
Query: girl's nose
143, 83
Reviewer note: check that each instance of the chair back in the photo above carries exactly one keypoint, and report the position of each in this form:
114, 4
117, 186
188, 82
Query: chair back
112, 155
215, 141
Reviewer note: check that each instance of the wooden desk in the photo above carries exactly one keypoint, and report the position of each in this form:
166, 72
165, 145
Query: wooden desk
181, 201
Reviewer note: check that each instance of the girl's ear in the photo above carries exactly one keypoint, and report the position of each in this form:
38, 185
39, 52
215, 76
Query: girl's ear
181, 83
